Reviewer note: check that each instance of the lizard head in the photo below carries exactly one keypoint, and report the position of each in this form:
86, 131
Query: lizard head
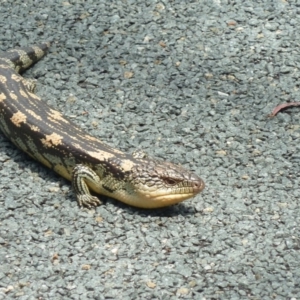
153, 183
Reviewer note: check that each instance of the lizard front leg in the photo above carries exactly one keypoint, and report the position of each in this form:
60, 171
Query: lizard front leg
80, 177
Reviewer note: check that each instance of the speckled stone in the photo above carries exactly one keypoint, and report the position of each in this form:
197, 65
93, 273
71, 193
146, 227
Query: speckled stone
188, 81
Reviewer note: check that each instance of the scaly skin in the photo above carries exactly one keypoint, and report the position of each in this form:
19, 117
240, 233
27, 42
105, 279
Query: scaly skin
47, 136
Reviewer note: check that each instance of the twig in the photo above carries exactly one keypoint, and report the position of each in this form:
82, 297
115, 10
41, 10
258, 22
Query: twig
280, 107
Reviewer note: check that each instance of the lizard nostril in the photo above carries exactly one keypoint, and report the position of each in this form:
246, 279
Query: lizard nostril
198, 185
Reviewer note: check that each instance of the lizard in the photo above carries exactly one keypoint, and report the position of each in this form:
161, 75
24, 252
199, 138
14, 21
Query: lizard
90, 164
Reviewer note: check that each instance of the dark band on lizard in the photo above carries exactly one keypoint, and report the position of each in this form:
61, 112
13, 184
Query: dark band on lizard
50, 138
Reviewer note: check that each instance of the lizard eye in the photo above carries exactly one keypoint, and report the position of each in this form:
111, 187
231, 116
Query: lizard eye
169, 181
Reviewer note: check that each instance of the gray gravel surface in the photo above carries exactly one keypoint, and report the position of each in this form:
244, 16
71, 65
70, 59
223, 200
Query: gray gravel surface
192, 82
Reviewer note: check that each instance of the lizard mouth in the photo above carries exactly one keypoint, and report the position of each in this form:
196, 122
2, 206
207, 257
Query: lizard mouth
164, 198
